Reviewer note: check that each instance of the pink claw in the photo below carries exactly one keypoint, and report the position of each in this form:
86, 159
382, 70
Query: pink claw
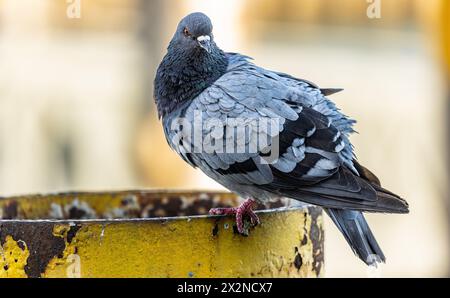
246, 208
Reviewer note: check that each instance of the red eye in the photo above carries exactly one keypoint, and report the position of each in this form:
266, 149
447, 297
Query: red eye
186, 32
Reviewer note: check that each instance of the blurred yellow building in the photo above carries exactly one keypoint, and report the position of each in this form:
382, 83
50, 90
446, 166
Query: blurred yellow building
76, 106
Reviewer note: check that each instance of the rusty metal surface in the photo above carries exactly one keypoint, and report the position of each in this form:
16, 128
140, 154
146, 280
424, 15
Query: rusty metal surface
154, 234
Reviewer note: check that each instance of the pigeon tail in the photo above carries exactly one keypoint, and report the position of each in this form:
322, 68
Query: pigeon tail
356, 231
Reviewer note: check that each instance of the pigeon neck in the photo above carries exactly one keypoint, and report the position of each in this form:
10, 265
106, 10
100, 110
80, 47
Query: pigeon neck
183, 76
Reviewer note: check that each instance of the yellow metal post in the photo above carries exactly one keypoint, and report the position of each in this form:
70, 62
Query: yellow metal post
153, 234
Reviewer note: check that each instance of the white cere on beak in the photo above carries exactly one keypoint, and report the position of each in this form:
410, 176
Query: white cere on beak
203, 38
204, 42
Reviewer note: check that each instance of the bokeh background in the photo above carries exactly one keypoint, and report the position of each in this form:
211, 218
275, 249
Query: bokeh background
77, 111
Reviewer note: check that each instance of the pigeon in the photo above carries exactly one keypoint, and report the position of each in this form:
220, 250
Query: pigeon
265, 134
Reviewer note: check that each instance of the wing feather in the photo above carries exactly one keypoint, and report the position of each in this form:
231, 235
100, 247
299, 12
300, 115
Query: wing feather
315, 160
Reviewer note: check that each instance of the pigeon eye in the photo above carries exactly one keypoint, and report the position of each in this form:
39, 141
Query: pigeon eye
186, 32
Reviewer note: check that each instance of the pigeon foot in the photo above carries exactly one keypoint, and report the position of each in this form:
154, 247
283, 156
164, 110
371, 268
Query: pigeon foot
246, 208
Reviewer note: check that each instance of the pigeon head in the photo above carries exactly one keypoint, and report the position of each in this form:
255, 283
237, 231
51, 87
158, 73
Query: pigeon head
193, 62
194, 34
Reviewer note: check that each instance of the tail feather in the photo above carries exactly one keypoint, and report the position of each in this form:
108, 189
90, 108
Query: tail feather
390, 200
356, 231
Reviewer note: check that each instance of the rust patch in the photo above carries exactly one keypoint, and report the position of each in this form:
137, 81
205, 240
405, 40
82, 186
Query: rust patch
162, 208
298, 262
169, 206
304, 240
72, 232
215, 230
76, 213
10, 210
39, 239
200, 206
316, 236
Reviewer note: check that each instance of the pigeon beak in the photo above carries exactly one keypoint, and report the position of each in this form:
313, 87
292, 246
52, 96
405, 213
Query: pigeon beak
204, 41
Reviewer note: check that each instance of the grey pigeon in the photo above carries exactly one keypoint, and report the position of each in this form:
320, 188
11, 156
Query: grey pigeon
218, 107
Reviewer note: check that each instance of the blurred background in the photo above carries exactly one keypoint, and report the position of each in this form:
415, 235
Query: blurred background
77, 110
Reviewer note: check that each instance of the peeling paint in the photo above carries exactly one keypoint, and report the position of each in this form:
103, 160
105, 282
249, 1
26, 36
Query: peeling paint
56, 211
39, 241
288, 243
316, 233
79, 210
10, 210
13, 259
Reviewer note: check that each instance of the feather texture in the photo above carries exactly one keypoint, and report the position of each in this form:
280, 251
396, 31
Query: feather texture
316, 162
232, 106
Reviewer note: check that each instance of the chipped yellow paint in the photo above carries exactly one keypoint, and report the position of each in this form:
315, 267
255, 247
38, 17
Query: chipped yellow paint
60, 267
307, 250
103, 204
183, 246
100, 202
188, 248
13, 259
60, 230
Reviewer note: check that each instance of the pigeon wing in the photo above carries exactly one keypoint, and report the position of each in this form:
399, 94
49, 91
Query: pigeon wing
314, 161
